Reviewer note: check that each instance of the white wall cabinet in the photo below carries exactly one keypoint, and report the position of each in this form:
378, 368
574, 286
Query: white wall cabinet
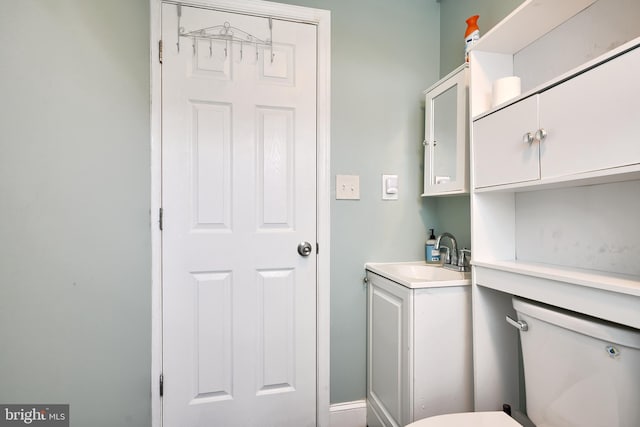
419, 360
581, 136
572, 242
446, 142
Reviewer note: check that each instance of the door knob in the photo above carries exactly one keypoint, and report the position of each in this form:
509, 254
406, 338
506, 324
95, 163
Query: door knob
304, 248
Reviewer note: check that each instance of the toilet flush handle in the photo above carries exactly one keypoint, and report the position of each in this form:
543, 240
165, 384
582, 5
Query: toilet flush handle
521, 325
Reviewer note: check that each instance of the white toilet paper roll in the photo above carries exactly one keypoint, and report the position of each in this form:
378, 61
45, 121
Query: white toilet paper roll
505, 89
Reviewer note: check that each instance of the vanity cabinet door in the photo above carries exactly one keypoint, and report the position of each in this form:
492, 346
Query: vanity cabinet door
389, 376
501, 155
592, 120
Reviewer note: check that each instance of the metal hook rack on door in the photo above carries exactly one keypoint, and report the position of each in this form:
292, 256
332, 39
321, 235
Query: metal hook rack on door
227, 33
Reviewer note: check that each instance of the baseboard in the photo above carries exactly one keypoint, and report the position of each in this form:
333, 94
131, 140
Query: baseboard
348, 414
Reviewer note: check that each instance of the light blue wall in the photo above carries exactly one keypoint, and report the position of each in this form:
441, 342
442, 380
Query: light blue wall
384, 54
75, 286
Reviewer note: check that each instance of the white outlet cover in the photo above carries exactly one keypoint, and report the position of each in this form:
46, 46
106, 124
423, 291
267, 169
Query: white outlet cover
347, 187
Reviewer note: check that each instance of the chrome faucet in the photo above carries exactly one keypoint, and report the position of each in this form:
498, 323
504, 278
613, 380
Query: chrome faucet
454, 258
451, 254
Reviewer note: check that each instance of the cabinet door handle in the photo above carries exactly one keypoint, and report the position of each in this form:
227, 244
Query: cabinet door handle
541, 134
528, 138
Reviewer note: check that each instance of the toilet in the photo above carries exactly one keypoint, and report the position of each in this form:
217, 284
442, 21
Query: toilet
578, 371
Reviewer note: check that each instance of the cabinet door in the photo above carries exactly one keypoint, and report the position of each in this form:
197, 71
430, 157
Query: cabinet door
446, 127
389, 349
500, 154
592, 120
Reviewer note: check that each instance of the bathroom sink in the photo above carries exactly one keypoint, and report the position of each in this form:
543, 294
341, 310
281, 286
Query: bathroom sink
419, 274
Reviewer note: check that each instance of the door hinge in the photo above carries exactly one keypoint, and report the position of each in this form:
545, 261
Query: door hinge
160, 214
160, 51
317, 248
161, 385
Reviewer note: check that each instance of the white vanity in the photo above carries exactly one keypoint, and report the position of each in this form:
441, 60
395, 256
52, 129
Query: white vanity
419, 360
556, 177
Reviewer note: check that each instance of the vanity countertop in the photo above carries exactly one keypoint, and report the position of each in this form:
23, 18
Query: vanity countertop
418, 274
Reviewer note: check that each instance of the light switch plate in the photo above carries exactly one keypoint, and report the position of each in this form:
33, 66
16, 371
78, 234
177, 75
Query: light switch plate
347, 187
390, 187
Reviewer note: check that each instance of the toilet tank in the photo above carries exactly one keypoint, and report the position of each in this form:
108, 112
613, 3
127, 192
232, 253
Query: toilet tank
579, 371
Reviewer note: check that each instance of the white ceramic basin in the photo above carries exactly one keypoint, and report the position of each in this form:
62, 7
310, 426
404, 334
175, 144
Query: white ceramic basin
419, 274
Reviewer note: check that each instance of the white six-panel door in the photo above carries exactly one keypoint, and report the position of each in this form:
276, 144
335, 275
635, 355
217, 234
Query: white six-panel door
238, 195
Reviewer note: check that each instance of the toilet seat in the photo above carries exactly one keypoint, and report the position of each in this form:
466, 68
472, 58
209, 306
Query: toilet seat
468, 419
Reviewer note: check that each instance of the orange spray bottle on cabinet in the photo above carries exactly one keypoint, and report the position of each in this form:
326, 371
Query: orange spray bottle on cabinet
471, 36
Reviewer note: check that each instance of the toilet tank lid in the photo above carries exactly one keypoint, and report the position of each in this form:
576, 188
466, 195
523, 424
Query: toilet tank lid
577, 322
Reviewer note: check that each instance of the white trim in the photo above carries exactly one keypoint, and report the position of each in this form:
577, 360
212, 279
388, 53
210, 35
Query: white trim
322, 19
348, 414
156, 202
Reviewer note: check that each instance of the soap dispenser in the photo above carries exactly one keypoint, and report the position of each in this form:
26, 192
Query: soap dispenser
430, 254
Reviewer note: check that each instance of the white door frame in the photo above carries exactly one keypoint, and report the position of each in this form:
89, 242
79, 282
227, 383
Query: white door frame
322, 19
